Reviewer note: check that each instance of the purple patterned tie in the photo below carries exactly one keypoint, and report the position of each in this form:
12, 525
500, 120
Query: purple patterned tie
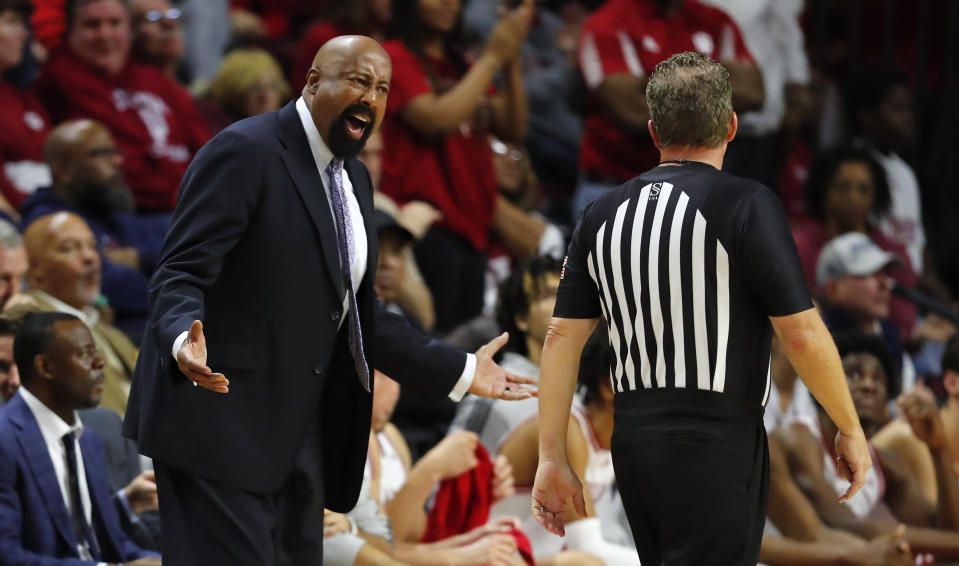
344, 237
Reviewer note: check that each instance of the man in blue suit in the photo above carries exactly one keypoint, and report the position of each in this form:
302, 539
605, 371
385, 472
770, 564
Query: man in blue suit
55, 506
252, 392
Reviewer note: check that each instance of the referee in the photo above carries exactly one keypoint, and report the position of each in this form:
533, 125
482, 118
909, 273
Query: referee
693, 269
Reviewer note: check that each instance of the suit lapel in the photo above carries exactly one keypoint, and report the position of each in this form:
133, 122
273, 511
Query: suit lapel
38, 458
299, 162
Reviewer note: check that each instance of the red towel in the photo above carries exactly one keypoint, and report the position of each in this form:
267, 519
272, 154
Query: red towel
463, 503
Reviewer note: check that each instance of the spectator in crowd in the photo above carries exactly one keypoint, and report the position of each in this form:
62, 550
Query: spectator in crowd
526, 300
552, 84
249, 83
207, 35
9, 375
880, 109
898, 436
403, 488
846, 189
24, 122
152, 119
854, 274
157, 37
890, 496
771, 31
44, 451
516, 224
621, 43
64, 276
88, 181
344, 17
13, 262
393, 287
439, 114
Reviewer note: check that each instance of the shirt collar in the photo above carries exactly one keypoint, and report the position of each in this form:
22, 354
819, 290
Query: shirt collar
89, 315
52, 427
321, 153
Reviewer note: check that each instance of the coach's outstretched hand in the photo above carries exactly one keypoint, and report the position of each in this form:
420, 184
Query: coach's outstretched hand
852, 460
490, 380
191, 358
554, 486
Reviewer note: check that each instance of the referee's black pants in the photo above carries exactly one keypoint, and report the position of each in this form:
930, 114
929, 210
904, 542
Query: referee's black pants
693, 471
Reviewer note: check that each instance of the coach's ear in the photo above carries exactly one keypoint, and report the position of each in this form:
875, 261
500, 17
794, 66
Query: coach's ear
733, 127
652, 133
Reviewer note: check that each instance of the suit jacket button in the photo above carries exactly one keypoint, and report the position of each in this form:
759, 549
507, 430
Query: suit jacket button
335, 316
318, 370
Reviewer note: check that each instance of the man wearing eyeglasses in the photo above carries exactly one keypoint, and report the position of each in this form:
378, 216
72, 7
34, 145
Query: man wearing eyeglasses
157, 35
152, 119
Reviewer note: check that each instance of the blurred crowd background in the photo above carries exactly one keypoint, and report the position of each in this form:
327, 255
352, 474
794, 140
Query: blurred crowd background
505, 119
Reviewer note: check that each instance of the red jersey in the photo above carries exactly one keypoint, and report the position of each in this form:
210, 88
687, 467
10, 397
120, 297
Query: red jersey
632, 36
153, 120
24, 125
454, 174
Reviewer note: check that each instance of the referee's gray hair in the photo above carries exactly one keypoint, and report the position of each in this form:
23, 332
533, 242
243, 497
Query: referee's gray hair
690, 101
9, 235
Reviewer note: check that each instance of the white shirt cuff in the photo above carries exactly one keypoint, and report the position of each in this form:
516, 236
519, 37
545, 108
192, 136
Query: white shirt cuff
178, 343
466, 379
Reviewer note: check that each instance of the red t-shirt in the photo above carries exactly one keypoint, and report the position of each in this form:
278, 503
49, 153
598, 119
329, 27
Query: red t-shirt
24, 125
810, 239
153, 120
631, 36
454, 174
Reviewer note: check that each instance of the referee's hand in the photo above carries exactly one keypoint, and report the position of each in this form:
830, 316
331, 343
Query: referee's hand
852, 460
555, 485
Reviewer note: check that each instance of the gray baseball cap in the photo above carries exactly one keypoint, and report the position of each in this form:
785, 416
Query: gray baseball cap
854, 254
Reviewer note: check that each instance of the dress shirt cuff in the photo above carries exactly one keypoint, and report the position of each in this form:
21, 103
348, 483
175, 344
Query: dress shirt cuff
466, 379
178, 343
122, 496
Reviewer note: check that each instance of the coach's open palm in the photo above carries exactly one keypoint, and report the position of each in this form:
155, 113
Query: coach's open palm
191, 358
554, 486
852, 461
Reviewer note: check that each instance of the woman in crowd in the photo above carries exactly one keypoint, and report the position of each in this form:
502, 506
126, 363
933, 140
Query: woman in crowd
248, 83
846, 191
24, 122
439, 113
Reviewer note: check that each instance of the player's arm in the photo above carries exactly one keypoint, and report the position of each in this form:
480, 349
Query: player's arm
902, 494
804, 455
623, 97
919, 409
789, 510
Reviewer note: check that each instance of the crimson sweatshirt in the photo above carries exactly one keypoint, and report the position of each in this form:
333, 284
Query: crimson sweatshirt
153, 120
24, 125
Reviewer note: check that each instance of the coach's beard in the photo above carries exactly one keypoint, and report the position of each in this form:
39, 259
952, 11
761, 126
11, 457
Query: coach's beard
350, 130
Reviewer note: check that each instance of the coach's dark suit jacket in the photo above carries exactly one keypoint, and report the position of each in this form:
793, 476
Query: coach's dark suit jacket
252, 253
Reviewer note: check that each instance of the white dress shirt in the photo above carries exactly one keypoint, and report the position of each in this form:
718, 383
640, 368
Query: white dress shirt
323, 156
53, 428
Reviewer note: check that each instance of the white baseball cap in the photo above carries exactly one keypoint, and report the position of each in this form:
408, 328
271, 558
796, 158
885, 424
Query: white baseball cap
854, 254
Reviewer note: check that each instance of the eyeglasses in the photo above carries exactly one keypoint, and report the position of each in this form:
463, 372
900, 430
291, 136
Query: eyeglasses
157, 15
501, 149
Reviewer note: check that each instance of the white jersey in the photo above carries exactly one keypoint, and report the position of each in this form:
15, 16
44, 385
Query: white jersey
392, 472
874, 490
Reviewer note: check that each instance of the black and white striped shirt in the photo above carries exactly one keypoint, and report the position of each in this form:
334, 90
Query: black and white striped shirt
686, 264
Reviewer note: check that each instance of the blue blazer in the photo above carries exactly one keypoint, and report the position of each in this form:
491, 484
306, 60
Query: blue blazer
34, 523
